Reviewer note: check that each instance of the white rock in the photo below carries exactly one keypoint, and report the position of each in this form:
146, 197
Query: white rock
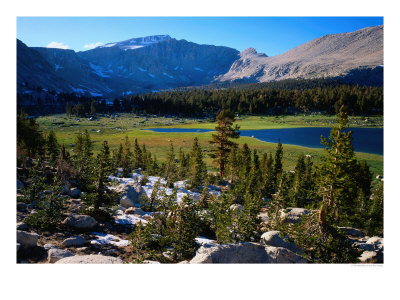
293, 214
75, 193
273, 238
231, 253
281, 255
56, 254
80, 221
27, 239
76, 241
371, 257
90, 259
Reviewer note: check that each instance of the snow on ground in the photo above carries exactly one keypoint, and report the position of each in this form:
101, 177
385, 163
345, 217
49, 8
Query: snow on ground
204, 241
105, 239
182, 191
123, 219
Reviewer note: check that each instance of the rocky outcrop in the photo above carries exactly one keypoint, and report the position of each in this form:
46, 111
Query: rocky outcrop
280, 255
352, 231
247, 253
27, 239
56, 254
22, 226
90, 259
82, 222
74, 193
373, 249
131, 194
274, 239
371, 257
293, 214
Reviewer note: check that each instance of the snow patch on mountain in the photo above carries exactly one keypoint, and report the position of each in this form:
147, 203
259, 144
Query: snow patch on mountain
168, 75
98, 70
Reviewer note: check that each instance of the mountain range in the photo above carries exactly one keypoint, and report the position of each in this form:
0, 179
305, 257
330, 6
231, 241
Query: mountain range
160, 62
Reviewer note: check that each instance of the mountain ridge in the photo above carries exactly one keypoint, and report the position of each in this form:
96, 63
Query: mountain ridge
148, 64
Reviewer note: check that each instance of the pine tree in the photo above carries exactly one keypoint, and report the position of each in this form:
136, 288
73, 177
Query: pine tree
137, 155
117, 156
126, 158
278, 161
298, 192
221, 140
268, 177
233, 165
337, 180
198, 169
375, 222
52, 147
245, 159
255, 176
183, 164
170, 165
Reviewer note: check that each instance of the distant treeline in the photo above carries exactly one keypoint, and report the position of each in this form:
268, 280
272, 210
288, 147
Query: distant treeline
358, 100
282, 97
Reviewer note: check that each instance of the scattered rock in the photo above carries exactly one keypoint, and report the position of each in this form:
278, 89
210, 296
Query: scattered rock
47, 247
293, 214
21, 206
352, 231
281, 255
231, 253
90, 259
236, 207
273, 238
56, 254
80, 221
76, 241
364, 246
20, 185
371, 257
134, 211
33, 204
131, 193
75, 193
377, 242
154, 262
27, 239
264, 217
22, 226
125, 201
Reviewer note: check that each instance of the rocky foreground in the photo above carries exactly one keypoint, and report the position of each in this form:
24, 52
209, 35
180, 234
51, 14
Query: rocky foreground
85, 240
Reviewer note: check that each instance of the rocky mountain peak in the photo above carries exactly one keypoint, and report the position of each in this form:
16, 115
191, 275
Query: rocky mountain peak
135, 43
251, 52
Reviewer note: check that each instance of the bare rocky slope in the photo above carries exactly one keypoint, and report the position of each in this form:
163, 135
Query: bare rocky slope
327, 56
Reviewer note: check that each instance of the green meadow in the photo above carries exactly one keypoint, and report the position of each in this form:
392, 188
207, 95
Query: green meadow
114, 129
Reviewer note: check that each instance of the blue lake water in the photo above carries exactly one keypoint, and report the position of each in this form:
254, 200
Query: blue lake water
369, 140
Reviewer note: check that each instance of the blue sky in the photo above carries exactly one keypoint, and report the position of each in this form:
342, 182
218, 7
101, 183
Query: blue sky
271, 35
